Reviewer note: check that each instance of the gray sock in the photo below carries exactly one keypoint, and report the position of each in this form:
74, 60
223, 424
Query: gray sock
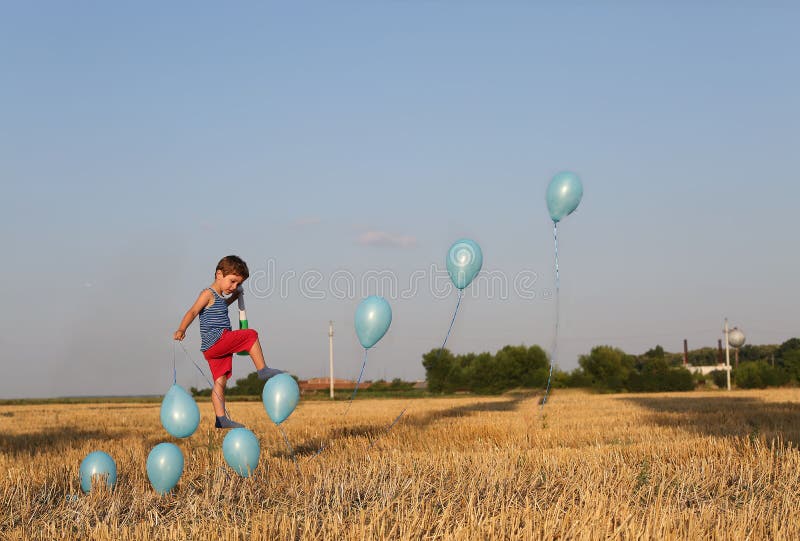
225, 422
267, 372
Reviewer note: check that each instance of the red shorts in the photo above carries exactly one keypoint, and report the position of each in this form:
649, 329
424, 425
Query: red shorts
220, 355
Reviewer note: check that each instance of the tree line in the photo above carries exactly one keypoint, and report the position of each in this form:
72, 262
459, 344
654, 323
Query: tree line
608, 369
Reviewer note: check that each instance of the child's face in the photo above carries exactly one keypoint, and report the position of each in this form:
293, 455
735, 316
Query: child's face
228, 283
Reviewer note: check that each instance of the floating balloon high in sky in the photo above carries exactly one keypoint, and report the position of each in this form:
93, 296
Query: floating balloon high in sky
372, 320
464, 262
373, 317
563, 196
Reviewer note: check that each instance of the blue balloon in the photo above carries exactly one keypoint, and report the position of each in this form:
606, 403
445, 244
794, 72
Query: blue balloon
464, 262
241, 450
373, 317
98, 464
179, 412
563, 195
164, 467
280, 396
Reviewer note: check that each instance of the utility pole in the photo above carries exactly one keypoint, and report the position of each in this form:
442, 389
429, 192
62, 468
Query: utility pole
685, 352
330, 353
727, 355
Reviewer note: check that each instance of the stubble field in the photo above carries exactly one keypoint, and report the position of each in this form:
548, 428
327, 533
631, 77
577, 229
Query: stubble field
690, 465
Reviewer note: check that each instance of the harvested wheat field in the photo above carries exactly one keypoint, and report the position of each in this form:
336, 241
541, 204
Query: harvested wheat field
691, 465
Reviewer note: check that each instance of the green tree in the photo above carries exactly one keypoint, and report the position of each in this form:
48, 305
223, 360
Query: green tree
248, 386
483, 374
395, 385
563, 379
792, 344
703, 356
578, 378
607, 367
656, 353
749, 376
539, 369
520, 366
199, 392
752, 352
787, 358
398, 384
653, 374
438, 366
677, 379
720, 378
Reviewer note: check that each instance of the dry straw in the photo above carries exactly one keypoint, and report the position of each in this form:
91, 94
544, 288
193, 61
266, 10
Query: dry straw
690, 466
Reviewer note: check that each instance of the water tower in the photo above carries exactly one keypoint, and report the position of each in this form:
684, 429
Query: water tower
736, 340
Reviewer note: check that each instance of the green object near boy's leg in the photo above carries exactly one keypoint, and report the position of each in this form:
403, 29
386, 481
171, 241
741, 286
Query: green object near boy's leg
242, 325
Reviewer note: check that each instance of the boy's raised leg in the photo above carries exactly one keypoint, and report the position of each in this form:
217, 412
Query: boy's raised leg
257, 354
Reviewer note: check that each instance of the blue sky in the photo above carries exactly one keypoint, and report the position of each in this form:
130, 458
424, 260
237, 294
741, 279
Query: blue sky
339, 141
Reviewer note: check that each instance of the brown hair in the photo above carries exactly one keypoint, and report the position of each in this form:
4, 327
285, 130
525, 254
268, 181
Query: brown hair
233, 264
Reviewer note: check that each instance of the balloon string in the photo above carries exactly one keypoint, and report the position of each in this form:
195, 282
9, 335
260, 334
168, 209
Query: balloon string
373, 442
291, 449
352, 396
438, 355
452, 321
174, 370
360, 375
211, 385
554, 349
321, 448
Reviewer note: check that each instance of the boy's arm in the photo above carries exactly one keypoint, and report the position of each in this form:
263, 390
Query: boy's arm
235, 295
201, 302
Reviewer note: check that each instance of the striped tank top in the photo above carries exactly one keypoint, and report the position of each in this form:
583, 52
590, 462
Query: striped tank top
213, 320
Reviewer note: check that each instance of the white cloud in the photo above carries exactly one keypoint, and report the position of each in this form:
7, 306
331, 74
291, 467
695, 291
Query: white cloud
382, 238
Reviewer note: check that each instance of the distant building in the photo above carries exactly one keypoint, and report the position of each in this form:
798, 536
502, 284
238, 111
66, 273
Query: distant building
323, 384
707, 369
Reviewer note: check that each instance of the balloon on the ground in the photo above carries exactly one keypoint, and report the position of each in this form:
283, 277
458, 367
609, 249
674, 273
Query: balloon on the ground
164, 467
241, 450
373, 317
464, 262
99, 466
280, 396
563, 195
180, 415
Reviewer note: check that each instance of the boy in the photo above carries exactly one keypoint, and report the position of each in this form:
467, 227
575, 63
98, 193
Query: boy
219, 342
